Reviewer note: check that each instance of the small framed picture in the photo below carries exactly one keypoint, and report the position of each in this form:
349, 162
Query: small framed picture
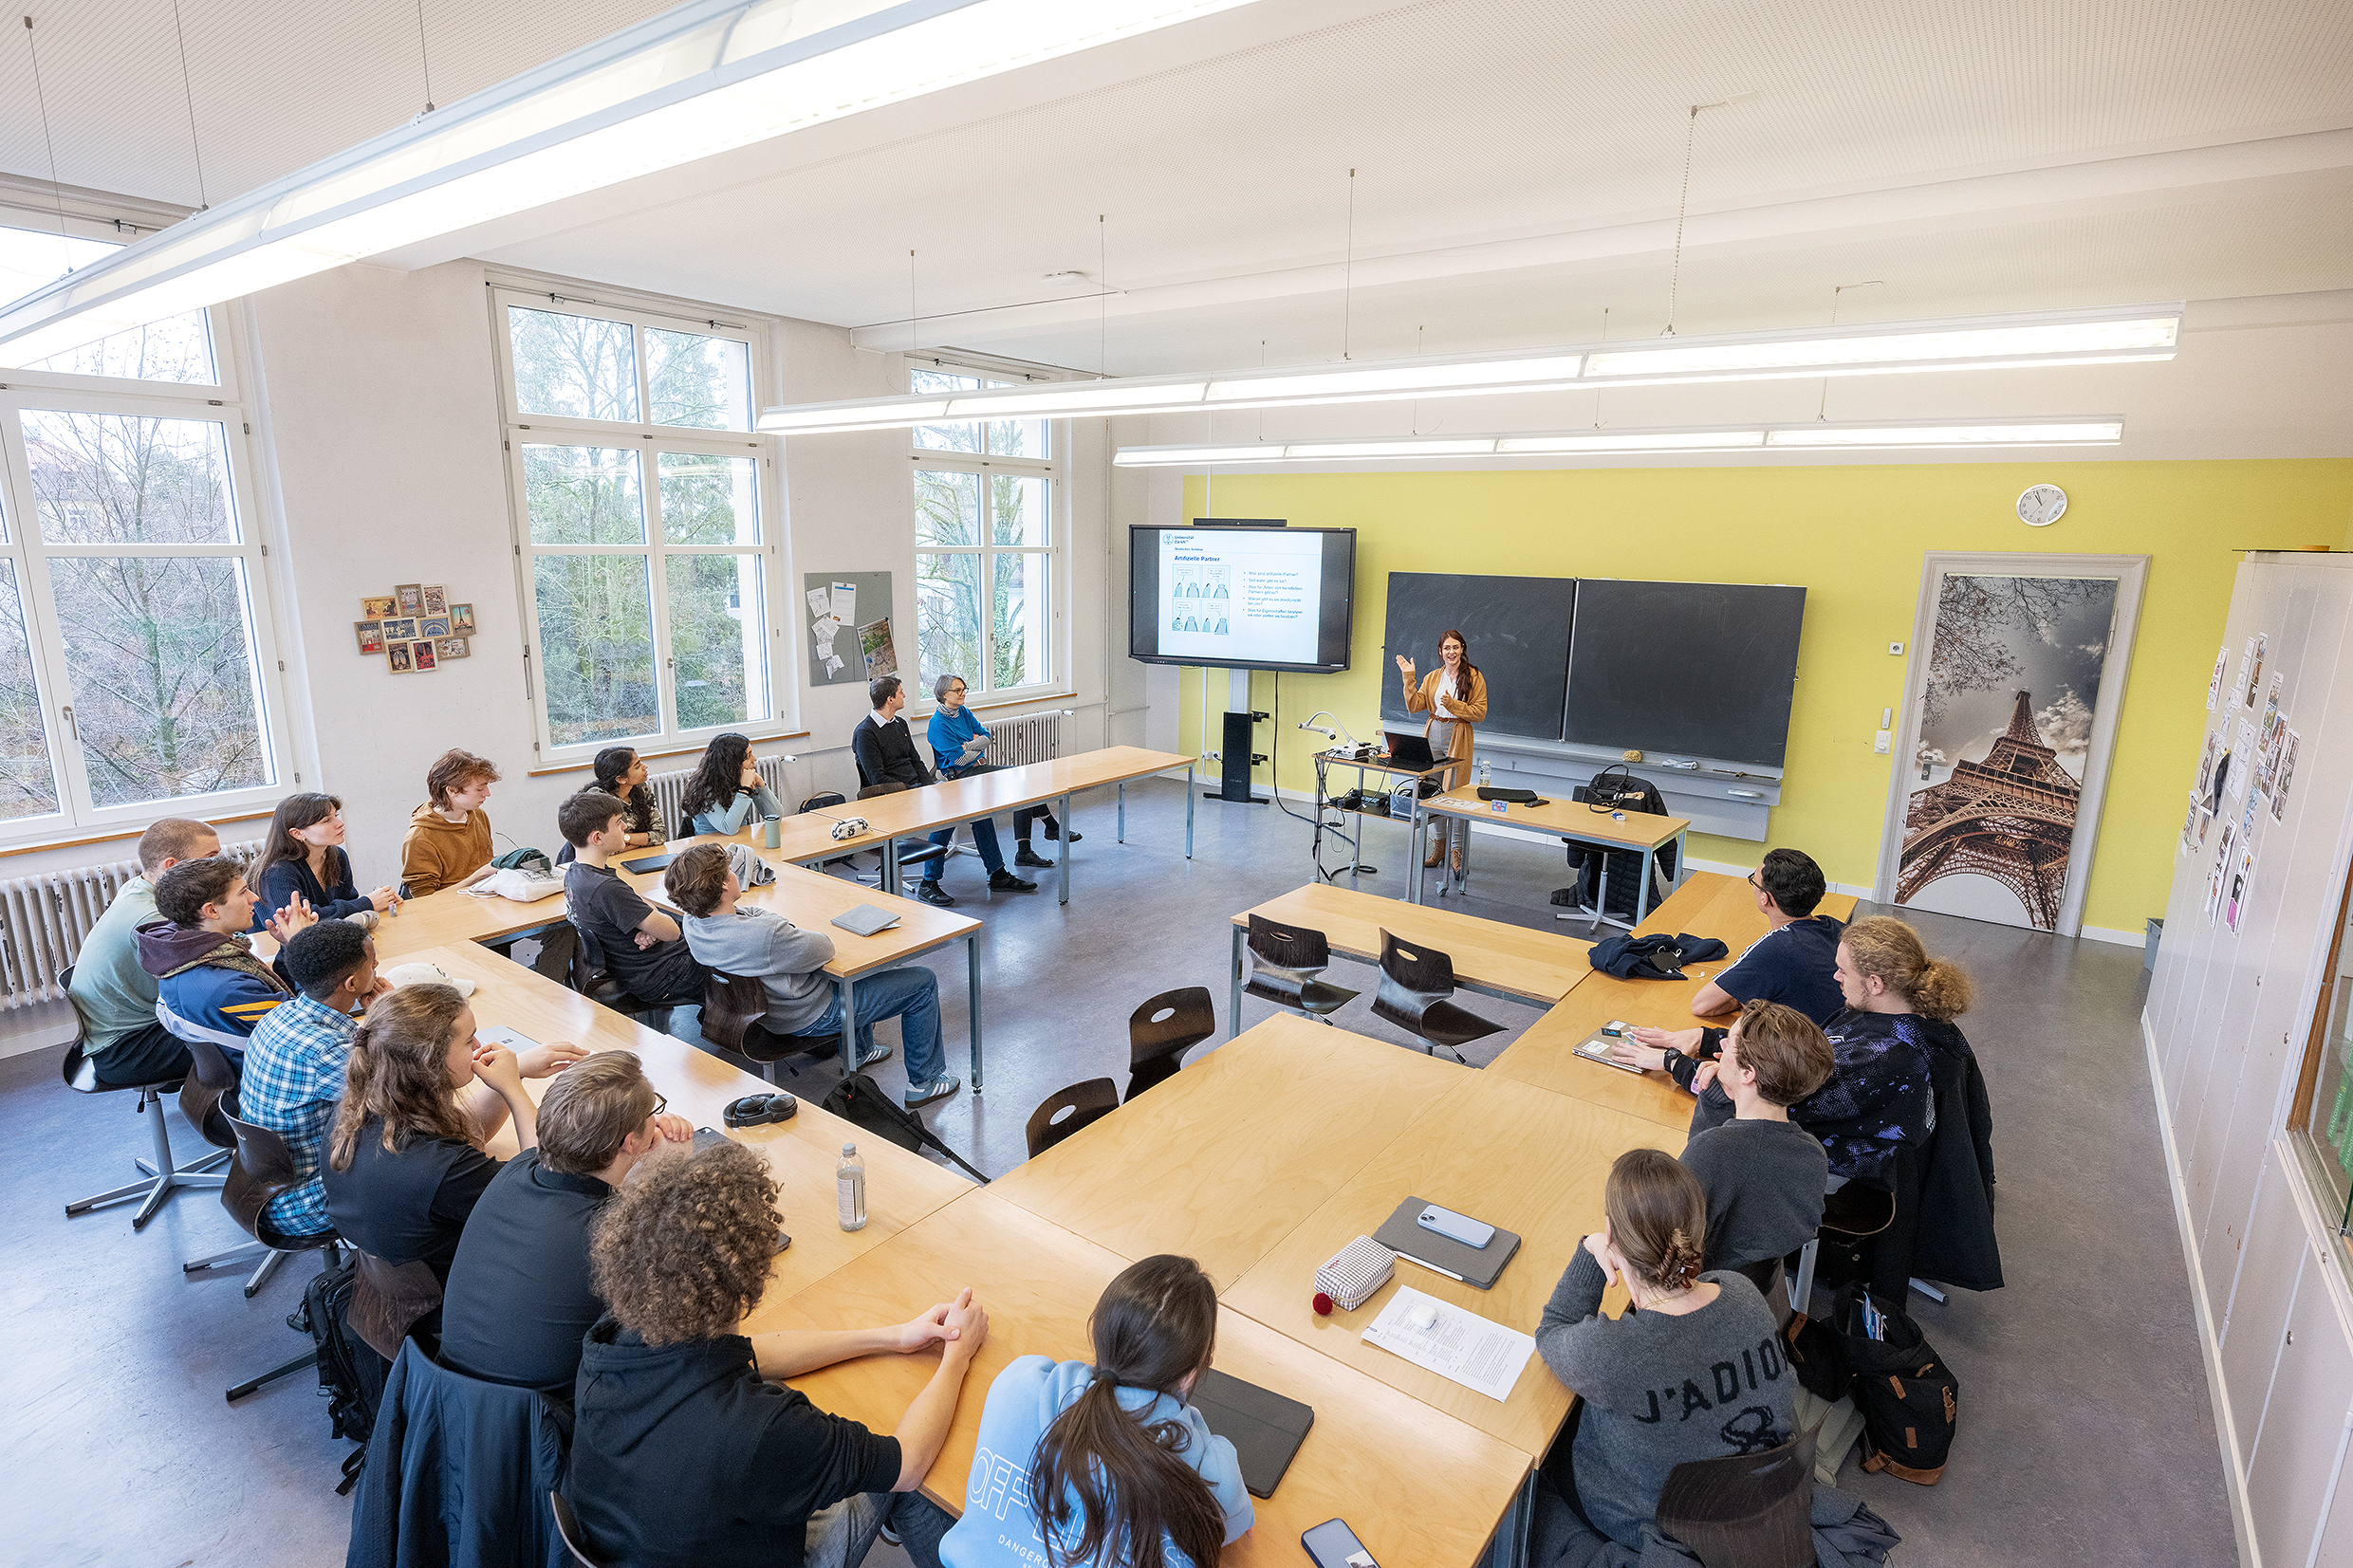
423, 653
371, 634
434, 626
376, 609
446, 649
437, 600
461, 620
412, 598
399, 631
399, 655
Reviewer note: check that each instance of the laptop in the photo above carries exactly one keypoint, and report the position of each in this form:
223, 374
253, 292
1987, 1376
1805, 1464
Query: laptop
1407, 750
1265, 1429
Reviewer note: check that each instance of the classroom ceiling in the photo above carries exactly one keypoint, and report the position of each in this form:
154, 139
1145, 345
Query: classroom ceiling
1517, 166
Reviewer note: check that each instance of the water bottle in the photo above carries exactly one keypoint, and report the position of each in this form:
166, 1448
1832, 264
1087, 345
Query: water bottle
849, 1181
1487, 773
773, 835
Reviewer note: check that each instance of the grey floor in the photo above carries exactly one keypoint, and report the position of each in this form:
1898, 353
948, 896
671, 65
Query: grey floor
2085, 1432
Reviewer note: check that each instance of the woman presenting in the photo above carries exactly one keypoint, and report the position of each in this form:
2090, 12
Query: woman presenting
1454, 695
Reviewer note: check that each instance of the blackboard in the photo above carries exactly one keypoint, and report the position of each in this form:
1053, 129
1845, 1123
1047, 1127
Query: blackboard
1518, 633
1687, 669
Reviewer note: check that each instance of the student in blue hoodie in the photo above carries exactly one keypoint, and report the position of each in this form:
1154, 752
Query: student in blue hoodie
209, 983
952, 733
1132, 1474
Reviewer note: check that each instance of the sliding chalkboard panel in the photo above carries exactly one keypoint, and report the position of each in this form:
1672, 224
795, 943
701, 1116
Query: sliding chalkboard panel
1685, 668
1518, 631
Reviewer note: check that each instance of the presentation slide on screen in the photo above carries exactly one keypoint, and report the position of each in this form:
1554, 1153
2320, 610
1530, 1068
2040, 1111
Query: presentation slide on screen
1251, 598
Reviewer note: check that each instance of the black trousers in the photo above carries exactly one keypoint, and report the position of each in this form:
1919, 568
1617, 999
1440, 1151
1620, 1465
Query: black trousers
153, 1054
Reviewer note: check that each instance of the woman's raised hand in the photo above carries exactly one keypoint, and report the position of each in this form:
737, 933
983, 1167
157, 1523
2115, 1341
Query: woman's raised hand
1405, 667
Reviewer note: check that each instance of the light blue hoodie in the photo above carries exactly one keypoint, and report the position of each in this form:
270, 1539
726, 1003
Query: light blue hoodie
1000, 1528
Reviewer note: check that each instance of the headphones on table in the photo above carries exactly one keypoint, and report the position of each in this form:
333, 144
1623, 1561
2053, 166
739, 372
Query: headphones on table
760, 1109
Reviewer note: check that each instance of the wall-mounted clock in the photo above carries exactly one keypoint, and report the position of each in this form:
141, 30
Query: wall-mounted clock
2040, 506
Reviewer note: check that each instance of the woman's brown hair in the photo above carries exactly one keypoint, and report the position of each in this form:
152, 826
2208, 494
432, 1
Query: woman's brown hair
1122, 1483
398, 1070
1658, 1217
683, 1252
1889, 951
279, 843
1470, 671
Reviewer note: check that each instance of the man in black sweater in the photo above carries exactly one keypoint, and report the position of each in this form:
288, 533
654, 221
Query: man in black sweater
886, 755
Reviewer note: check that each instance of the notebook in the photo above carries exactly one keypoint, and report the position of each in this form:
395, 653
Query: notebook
649, 862
1265, 1429
1594, 1047
1476, 1266
865, 920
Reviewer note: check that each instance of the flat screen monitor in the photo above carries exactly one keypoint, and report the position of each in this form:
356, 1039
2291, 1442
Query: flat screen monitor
1253, 598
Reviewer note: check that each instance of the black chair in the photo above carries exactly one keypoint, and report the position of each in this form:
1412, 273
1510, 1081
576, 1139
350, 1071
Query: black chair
163, 1177
1853, 1215
1162, 1031
261, 1168
1285, 961
734, 1019
592, 980
387, 1301
1415, 984
1081, 1105
567, 1526
1591, 864
1744, 1511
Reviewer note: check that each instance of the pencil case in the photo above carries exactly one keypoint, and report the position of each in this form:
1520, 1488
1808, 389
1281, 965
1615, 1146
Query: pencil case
1351, 1275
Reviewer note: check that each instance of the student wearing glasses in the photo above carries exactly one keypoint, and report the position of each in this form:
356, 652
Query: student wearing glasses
953, 733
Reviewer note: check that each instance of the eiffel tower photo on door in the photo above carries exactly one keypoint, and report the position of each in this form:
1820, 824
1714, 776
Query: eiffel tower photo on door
2016, 679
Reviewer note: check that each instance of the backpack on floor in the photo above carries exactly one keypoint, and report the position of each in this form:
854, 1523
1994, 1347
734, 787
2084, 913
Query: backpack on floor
1908, 1398
349, 1381
861, 1101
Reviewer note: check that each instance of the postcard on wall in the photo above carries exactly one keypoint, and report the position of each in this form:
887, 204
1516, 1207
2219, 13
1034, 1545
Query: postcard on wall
2281, 779
2244, 751
2242, 882
461, 620
2247, 816
371, 636
437, 600
446, 649
2221, 870
412, 598
2258, 648
2270, 708
2206, 762
399, 631
2221, 677
2189, 828
375, 608
399, 656
434, 626
423, 653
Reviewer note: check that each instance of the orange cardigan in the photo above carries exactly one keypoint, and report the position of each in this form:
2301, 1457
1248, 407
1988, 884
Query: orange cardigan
1466, 711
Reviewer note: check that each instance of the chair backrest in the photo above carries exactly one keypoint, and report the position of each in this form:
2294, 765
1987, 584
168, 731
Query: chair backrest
205, 1090
387, 1301
1745, 1510
1859, 1210
1422, 969
1086, 1103
264, 1167
1169, 1024
1293, 950
732, 1005
592, 961
567, 1528
559, 950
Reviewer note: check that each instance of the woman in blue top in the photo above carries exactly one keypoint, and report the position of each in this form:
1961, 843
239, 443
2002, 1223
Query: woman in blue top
303, 854
726, 791
1136, 1477
952, 731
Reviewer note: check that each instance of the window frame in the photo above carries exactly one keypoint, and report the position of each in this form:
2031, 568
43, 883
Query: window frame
1054, 469
519, 430
221, 402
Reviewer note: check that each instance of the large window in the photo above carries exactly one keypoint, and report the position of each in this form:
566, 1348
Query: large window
642, 520
134, 625
986, 540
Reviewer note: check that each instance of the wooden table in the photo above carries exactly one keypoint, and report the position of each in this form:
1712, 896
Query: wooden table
1706, 905
1420, 1490
1220, 1162
1511, 961
1561, 819
1506, 1152
901, 1187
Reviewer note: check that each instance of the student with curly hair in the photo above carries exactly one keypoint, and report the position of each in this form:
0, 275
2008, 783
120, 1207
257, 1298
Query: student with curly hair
687, 1448
727, 791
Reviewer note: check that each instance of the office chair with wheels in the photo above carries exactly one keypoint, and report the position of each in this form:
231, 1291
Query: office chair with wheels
1162, 1031
163, 1177
1744, 1511
1285, 962
734, 1018
262, 1168
1415, 984
1085, 1105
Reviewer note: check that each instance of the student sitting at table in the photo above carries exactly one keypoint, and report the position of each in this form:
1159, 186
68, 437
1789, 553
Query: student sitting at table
1763, 1175
952, 733
448, 837
519, 1294
113, 995
620, 773
886, 755
209, 986
1112, 1442
294, 1068
642, 946
687, 1448
790, 962
303, 854
726, 791
1791, 962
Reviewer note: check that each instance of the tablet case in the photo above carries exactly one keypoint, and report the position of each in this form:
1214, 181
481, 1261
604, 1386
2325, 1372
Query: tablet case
1265, 1429
649, 862
865, 920
1473, 1266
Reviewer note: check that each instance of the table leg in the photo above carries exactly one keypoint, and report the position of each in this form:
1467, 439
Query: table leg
1233, 996
849, 1025
890, 866
1122, 839
971, 997
1415, 832
1188, 811
1064, 856
1641, 895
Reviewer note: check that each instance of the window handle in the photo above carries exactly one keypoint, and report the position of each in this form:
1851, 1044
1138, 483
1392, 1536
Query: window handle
71, 727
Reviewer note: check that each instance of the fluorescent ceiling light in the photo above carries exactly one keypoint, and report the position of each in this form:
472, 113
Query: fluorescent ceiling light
702, 79
2099, 431
2116, 335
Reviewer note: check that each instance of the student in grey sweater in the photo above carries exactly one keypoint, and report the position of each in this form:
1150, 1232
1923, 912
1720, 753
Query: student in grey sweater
790, 961
1764, 1174
1693, 1370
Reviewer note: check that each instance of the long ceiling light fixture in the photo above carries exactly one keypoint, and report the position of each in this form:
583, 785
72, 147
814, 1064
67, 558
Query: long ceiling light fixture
2118, 334
2094, 430
702, 79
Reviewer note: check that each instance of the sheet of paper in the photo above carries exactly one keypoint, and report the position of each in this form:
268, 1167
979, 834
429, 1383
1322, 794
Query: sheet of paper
820, 605
845, 605
1461, 1347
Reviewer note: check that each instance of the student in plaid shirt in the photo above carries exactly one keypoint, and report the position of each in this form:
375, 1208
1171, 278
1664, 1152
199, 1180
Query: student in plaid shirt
294, 1065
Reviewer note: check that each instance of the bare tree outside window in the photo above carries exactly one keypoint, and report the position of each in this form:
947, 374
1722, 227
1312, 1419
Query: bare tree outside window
28, 785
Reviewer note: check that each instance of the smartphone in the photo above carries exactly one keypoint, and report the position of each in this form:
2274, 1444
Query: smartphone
1332, 1544
1460, 1227
498, 1034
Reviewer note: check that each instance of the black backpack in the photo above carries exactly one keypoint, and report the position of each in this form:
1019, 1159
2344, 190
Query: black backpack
350, 1381
1909, 1400
861, 1101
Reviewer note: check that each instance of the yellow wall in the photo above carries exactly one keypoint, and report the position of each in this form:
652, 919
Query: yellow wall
1854, 538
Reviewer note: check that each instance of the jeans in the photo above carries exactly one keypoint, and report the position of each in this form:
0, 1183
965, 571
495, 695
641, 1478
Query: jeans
912, 996
921, 1524
841, 1533
984, 836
